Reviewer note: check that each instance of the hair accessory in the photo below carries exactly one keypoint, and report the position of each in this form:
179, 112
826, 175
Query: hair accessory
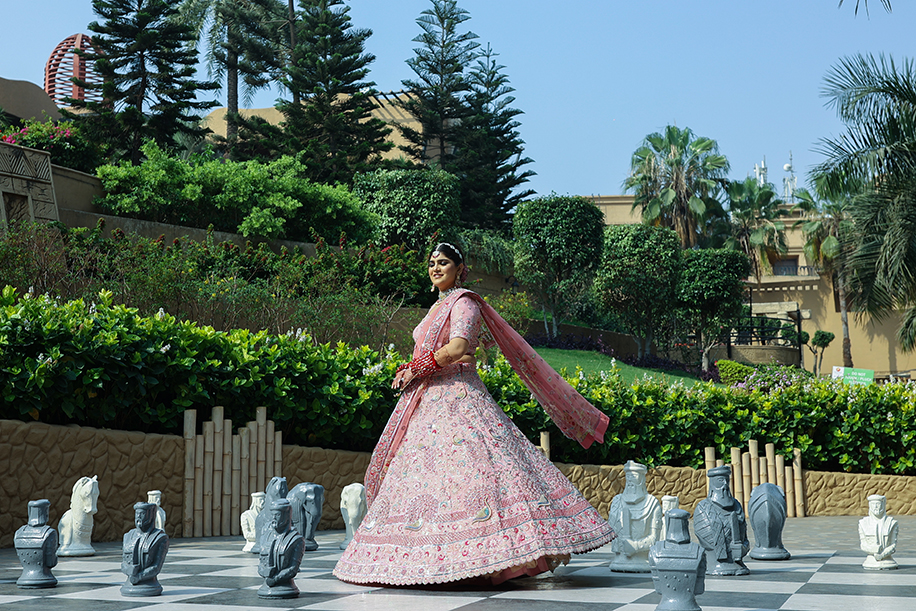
453, 247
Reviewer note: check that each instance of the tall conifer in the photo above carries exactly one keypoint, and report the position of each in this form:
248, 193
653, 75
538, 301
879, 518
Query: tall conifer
148, 87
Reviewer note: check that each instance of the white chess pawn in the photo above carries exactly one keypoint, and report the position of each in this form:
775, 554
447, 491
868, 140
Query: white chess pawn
248, 519
155, 497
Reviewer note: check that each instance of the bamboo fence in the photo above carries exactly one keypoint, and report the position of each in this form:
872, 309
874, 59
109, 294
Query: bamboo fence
221, 470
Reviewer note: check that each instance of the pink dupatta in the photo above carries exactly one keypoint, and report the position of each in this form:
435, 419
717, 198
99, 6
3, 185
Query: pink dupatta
574, 416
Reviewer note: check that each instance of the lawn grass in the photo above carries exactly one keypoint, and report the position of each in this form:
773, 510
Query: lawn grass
593, 362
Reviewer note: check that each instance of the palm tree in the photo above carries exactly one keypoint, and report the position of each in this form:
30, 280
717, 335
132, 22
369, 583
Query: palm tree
876, 98
756, 227
886, 3
676, 177
828, 235
238, 35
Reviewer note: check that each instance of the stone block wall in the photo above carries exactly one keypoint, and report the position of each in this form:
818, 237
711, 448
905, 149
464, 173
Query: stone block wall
333, 469
42, 461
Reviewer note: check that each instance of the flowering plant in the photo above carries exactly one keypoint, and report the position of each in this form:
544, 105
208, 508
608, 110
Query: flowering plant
63, 140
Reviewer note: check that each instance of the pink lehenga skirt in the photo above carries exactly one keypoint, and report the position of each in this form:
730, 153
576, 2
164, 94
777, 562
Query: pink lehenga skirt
467, 495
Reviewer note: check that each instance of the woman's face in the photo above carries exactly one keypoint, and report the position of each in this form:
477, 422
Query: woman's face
442, 271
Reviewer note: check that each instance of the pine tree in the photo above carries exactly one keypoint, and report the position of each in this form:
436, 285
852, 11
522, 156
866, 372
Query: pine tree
488, 150
148, 68
435, 98
332, 126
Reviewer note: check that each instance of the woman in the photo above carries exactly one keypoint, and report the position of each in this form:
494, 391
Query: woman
455, 490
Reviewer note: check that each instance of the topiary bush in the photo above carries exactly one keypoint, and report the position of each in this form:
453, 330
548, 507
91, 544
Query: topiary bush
733, 373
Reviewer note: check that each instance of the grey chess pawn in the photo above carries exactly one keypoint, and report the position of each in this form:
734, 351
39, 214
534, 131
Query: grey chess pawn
248, 518
767, 515
636, 517
276, 489
721, 529
353, 509
678, 566
281, 553
307, 500
155, 497
36, 546
144, 551
878, 535
76, 524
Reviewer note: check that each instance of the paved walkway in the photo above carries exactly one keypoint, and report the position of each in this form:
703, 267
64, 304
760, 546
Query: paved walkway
824, 574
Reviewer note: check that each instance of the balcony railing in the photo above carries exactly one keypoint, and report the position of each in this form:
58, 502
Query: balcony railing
795, 270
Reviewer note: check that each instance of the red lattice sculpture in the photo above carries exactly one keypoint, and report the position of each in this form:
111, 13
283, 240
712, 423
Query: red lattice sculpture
65, 64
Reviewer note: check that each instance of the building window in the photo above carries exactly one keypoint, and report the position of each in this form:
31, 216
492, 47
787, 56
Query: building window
786, 267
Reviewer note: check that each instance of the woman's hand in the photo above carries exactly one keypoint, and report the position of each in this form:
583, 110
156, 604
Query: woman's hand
402, 379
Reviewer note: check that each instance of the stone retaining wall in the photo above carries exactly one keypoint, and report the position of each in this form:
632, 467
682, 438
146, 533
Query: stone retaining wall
43, 461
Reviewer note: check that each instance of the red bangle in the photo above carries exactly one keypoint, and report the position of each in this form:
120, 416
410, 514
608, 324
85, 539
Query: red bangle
424, 365
402, 367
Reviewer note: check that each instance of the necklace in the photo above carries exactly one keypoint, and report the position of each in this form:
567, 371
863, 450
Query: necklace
447, 292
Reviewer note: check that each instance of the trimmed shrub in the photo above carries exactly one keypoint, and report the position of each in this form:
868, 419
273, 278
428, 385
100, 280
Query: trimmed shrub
63, 140
733, 373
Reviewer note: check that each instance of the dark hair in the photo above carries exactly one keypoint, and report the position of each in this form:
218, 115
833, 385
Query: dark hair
449, 251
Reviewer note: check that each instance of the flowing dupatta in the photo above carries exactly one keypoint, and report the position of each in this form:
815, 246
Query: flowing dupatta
574, 416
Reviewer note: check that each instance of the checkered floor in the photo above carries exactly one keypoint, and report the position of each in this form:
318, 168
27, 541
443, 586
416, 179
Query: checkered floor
214, 575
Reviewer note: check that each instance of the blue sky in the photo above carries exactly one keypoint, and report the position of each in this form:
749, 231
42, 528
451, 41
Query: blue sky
594, 77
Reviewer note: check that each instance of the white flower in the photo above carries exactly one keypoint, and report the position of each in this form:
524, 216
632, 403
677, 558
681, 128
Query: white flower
165, 348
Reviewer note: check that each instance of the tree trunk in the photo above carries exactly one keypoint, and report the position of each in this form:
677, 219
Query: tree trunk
844, 317
232, 97
553, 314
292, 43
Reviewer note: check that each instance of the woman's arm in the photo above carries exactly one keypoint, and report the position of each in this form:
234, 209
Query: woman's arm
455, 351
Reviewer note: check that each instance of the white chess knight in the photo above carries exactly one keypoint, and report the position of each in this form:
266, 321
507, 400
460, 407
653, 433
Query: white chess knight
248, 519
353, 508
155, 497
878, 535
76, 524
636, 517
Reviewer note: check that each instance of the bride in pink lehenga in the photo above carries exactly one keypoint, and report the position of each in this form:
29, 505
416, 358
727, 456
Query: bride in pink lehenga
455, 490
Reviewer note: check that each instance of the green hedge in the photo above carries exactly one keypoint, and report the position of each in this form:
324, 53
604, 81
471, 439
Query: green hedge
104, 365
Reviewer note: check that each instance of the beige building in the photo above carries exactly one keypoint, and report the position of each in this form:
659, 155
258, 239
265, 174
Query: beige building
795, 284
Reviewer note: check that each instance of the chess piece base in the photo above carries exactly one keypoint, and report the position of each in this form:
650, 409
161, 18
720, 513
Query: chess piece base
770, 553
32, 583
249, 545
631, 564
871, 564
726, 569
141, 589
288, 590
76, 550
310, 545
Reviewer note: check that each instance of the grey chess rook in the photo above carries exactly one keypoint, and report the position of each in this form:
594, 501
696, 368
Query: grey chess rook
767, 514
281, 553
678, 566
721, 529
276, 490
307, 502
143, 553
636, 517
36, 546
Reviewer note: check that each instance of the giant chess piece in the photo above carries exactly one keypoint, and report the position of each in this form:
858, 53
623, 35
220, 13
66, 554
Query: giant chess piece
636, 517
767, 515
668, 503
155, 497
76, 524
36, 546
307, 500
144, 551
281, 553
353, 509
678, 566
276, 490
719, 524
878, 535
248, 517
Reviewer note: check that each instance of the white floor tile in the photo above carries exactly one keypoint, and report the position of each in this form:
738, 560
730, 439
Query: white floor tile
579, 595
169, 595
833, 602
393, 602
